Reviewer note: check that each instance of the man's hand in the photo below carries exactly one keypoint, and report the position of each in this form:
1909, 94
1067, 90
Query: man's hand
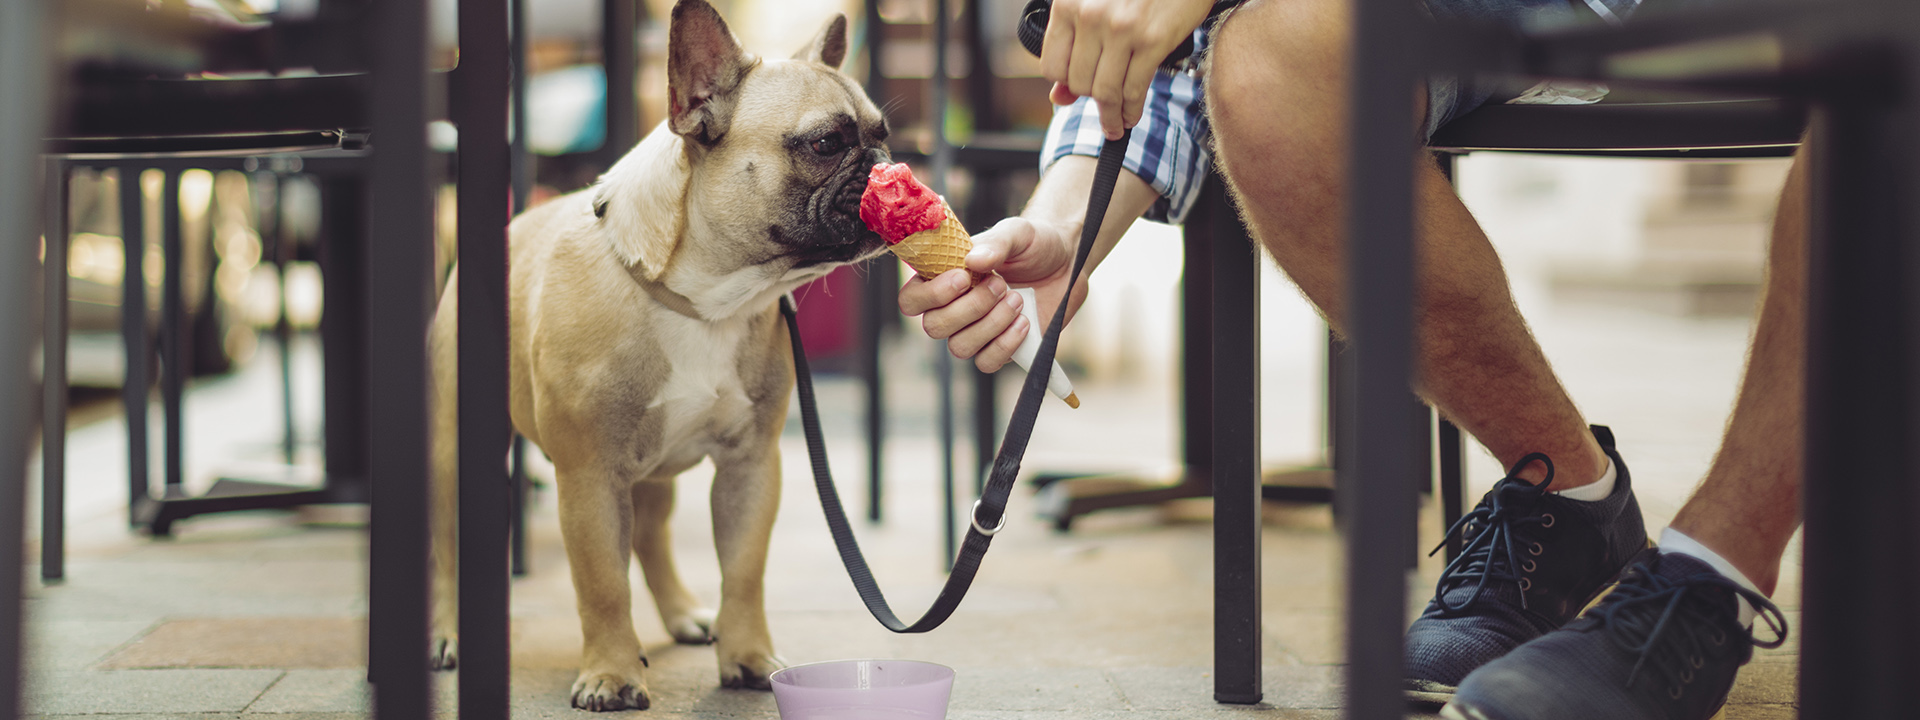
1109, 49
983, 321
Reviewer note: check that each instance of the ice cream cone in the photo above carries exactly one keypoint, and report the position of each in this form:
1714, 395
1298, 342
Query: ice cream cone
931, 252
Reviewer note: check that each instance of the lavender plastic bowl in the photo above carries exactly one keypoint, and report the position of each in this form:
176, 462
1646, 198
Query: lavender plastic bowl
863, 690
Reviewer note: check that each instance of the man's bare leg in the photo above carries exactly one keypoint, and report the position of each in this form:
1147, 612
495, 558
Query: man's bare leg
1749, 504
1277, 98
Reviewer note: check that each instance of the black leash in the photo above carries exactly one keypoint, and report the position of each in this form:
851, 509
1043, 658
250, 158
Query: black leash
989, 512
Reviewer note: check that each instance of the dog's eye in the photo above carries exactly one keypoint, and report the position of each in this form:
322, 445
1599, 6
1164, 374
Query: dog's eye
829, 145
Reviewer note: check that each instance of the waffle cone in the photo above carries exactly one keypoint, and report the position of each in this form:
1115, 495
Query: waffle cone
931, 252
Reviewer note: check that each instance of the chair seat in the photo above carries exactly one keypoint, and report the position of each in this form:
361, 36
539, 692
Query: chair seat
1633, 124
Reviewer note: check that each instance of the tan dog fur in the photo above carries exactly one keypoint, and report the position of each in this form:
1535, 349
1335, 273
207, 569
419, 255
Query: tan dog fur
730, 204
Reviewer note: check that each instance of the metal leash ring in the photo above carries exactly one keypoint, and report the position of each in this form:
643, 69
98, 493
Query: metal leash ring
973, 516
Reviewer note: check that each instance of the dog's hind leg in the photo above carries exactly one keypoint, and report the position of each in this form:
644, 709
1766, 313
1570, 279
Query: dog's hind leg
596, 521
746, 496
446, 483
653, 544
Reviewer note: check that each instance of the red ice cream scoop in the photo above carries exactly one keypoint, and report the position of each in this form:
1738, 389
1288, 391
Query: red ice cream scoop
896, 205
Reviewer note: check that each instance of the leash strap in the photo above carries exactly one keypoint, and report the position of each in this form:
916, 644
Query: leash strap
989, 512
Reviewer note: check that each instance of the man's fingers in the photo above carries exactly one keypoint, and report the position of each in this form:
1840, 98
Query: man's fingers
1140, 74
1082, 63
1108, 81
1000, 352
966, 310
1057, 44
919, 296
1060, 95
975, 337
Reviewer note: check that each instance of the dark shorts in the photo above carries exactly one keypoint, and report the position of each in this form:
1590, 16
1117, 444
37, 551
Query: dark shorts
1449, 97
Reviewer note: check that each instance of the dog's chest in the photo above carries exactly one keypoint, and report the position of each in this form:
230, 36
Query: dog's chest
702, 400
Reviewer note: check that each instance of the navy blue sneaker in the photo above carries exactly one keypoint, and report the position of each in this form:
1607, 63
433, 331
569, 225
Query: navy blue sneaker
1663, 644
1530, 561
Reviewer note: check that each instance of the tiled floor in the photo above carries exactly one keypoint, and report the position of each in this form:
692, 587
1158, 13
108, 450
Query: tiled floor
258, 615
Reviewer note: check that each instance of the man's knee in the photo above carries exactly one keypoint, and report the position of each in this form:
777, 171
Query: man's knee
1278, 52
1276, 103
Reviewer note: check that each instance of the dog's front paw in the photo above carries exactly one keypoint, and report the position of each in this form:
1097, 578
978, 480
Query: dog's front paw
601, 692
748, 669
692, 628
446, 652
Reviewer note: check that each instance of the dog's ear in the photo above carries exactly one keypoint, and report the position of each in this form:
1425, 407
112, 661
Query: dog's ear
704, 66
830, 46
641, 203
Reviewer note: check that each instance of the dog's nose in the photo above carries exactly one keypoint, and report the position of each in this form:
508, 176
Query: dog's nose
878, 156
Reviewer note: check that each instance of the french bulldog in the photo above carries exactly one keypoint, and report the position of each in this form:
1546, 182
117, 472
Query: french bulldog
646, 336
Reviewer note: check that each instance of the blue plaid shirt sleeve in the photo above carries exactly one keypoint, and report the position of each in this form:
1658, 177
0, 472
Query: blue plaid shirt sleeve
1168, 148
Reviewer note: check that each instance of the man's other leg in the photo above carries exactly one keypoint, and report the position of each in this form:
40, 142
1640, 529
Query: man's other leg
1749, 504
1278, 102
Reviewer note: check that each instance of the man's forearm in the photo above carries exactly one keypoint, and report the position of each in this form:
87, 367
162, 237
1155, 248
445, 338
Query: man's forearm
1061, 200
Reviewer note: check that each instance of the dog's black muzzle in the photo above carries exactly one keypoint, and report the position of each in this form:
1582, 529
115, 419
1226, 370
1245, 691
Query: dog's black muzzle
837, 233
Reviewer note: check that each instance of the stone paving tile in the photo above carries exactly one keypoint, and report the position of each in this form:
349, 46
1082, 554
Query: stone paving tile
1311, 637
343, 690
1762, 712
280, 642
1191, 688
1771, 683
146, 691
1019, 689
76, 644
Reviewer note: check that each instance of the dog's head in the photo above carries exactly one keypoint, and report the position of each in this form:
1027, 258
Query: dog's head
759, 166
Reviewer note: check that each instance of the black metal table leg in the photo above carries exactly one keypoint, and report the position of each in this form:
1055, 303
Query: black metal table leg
279, 241
1453, 469
986, 426
53, 376
620, 46
399, 285
1377, 501
485, 497
882, 280
1860, 647
522, 172
344, 225
24, 114
174, 329
133, 334
1236, 461
521, 499
1453, 481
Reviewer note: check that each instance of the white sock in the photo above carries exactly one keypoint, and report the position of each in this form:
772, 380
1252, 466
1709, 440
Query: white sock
1674, 541
1597, 490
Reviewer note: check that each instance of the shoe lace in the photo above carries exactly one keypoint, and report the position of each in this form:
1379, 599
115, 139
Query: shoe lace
1493, 535
1650, 615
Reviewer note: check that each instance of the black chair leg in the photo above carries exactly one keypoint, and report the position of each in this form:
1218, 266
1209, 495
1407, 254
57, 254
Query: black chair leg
53, 379
1236, 462
517, 552
134, 335
173, 336
1453, 481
